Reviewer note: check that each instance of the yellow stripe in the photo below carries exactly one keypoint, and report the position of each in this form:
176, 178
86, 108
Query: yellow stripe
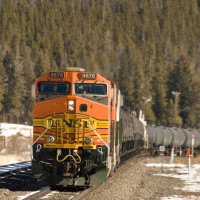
93, 136
70, 123
69, 146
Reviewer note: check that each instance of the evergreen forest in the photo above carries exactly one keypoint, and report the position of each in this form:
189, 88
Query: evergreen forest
150, 48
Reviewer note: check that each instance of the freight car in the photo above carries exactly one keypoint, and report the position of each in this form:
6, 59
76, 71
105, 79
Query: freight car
179, 138
81, 133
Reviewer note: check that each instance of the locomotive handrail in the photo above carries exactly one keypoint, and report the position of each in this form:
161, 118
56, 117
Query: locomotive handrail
99, 136
43, 132
57, 131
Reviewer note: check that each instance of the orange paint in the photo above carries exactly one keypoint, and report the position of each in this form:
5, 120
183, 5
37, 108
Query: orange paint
188, 152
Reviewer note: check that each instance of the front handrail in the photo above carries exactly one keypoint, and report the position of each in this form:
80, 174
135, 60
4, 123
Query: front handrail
43, 132
99, 136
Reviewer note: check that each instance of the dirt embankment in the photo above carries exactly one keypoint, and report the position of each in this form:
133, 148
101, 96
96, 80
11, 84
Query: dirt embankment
16, 148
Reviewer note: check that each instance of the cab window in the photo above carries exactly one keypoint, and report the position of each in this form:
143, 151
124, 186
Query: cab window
54, 88
91, 88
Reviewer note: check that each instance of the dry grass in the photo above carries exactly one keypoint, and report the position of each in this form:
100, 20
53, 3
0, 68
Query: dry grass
184, 160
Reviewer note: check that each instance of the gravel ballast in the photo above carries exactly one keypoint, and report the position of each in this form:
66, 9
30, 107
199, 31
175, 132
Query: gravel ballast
135, 181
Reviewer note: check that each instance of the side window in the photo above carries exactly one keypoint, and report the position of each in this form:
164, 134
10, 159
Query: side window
112, 93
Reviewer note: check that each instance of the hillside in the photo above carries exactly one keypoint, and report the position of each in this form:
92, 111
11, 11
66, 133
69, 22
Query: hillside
150, 48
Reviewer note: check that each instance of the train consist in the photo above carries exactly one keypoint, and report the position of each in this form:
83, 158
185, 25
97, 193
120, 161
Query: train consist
173, 137
80, 133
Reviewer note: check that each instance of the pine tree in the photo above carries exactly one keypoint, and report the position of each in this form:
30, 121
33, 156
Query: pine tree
3, 80
181, 80
159, 93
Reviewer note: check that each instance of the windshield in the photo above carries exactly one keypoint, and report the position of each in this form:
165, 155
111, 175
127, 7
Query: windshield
54, 88
91, 88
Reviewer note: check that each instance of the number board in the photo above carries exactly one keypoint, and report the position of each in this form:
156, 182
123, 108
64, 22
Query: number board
56, 74
87, 75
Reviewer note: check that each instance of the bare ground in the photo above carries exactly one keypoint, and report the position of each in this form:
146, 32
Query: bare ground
135, 181
16, 148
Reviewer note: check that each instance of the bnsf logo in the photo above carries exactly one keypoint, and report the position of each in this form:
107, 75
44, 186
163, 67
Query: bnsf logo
71, 123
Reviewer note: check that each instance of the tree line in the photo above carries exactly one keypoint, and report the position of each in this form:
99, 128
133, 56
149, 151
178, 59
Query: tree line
150, 48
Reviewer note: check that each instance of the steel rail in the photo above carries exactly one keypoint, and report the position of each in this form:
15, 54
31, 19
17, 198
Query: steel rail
8, 170
37, 194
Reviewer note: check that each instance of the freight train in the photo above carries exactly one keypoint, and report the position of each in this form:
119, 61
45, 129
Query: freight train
81, 133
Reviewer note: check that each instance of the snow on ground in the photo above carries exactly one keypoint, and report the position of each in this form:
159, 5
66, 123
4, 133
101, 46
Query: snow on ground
12, 129
176, 197
189, 175
15, 143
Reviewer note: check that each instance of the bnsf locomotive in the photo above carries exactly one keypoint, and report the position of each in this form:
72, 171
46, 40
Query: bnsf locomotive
81, 134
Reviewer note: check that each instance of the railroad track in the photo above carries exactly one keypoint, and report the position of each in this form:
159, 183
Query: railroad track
8, 170
18, 177
58, 193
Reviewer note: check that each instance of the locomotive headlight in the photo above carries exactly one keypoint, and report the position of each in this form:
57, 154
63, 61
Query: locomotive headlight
71, 105
50, 139
88, 140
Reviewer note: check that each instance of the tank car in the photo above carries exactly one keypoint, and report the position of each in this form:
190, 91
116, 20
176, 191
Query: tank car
179, 138
132, 132
78, 128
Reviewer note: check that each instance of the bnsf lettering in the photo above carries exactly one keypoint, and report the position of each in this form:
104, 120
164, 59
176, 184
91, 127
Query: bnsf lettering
71, 123
68, 123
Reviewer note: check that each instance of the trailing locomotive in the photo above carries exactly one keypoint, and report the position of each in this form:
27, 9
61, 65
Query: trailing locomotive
80, 133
